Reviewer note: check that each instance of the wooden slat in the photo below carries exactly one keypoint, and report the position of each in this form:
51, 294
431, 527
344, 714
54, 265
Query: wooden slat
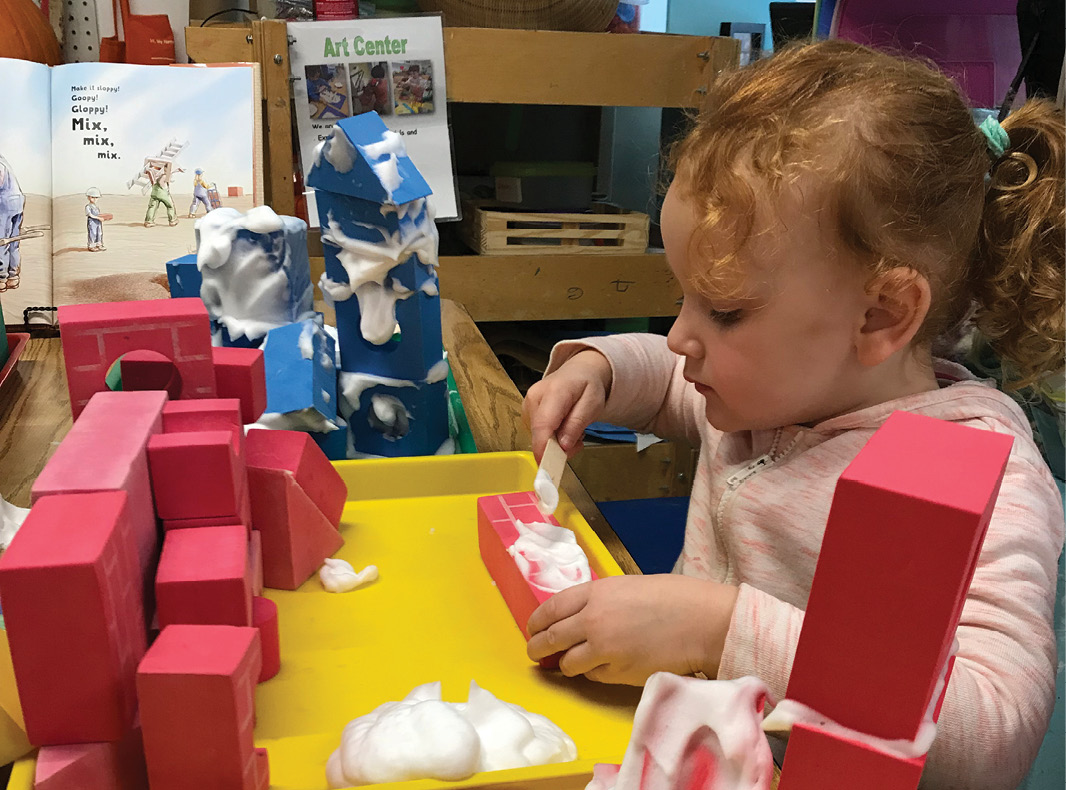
272, 51
552, 67
539, 287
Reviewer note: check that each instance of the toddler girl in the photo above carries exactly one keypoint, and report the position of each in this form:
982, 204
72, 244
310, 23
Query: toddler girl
834, 210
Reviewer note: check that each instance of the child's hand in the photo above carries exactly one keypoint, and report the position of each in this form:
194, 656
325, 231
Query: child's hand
621, 629
565, 402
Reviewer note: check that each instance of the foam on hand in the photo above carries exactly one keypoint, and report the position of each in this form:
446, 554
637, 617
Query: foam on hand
683, 723
338, 576
548, 557
423, 737
547, 493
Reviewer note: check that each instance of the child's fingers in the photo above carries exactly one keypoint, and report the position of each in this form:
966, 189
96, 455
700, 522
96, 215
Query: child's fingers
580, 660
572, 430
546, 416
557, 638
559, 607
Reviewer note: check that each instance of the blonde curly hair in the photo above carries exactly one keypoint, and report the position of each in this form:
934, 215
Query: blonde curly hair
908, 182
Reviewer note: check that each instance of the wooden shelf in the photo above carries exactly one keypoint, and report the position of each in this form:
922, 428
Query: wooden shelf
557, 287
541, 66
595, 69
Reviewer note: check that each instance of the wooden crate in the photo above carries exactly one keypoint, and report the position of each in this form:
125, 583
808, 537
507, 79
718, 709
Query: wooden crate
490, 229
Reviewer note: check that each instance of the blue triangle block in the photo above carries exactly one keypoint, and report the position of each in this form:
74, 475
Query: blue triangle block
343, 165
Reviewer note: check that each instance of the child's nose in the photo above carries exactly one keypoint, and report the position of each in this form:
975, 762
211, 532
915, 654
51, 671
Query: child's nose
681, 340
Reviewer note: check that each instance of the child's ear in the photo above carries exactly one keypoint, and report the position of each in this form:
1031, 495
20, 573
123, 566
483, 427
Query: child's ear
897, 304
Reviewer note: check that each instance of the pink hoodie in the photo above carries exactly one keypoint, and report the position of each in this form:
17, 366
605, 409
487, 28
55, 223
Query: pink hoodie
762, 530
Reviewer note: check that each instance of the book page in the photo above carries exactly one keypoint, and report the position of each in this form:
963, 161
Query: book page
139, 152
25, 191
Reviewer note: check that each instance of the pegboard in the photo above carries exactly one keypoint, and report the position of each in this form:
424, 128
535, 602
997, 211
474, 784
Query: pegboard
81, 33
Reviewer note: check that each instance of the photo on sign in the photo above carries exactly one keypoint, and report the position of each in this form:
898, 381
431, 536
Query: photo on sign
412, 87
370, 88
327, 91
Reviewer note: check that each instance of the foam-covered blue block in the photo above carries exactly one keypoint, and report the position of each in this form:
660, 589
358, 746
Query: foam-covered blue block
344, 165
300, 372
183, 277
256, 273
415, 420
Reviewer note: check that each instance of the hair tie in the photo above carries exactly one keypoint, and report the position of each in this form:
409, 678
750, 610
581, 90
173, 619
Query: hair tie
995, 135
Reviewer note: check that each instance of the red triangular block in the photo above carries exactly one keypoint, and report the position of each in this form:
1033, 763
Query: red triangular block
296, 452
296, 536
115, 765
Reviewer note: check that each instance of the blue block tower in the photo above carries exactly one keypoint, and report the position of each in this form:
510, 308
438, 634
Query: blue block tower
380, 246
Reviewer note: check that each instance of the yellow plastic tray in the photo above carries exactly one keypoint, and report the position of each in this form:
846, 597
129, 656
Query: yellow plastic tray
434, 614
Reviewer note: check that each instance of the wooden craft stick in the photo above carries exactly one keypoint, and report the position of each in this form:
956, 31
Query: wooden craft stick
549, 477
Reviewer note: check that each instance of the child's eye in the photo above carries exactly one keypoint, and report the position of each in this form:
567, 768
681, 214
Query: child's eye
726, 318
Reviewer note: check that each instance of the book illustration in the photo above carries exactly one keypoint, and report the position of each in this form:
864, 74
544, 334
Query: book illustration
412, 87
12, 231
154, 177
94, 220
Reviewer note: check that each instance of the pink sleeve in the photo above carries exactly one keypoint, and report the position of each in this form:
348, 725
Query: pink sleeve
648, 392
1002, 689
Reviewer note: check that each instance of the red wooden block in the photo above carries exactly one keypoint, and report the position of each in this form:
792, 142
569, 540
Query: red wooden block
263, 768
149, 370
296, 536
255, 561
95, 335
817, 760
197, 474
265, 618
295, 452
105, 450
204, 577
496, 532
72, 595
904, 531
241, 374
117, 765
196, 687
209, 414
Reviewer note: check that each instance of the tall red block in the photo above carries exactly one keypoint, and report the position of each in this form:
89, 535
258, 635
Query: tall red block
72, 596
95, 335
296, 536
496, 533
204, 577
198, 474
196, 687
117, 765
297, 454
255, 561
901, 544
241, 374
105, 450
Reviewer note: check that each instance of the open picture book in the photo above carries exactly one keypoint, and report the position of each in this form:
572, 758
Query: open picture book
104, 169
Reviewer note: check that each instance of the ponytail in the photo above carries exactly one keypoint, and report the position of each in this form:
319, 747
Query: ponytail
1019, 274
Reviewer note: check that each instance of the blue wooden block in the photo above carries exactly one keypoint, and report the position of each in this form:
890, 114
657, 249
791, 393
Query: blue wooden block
400, 421
183, 276
333, 443
300, 373
343, 163
257, 253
